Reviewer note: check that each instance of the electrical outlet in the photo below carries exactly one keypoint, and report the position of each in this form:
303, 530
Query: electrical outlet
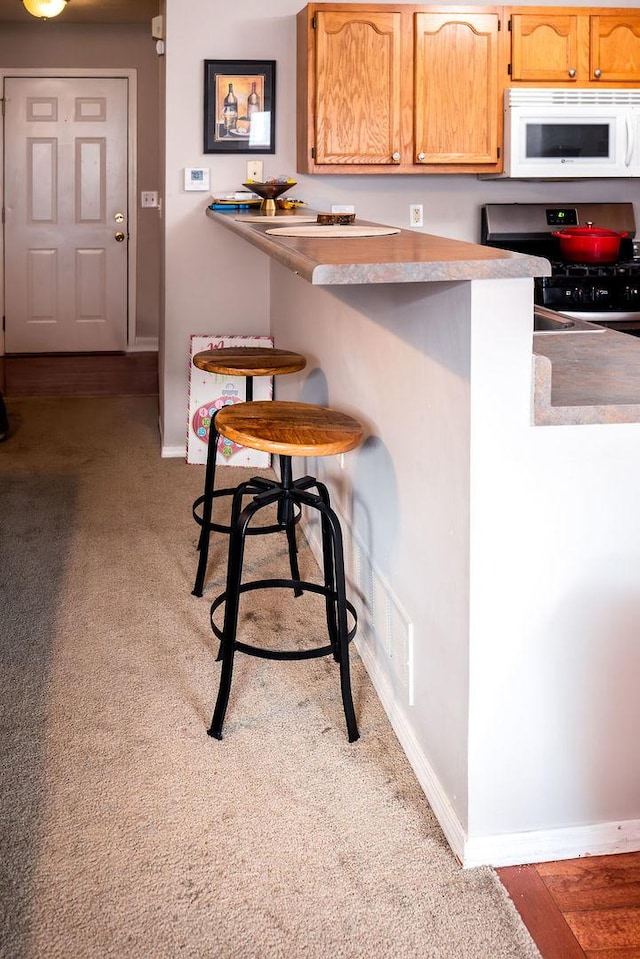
254, 170
415, 214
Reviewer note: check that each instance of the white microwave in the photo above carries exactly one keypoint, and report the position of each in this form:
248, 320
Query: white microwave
566, 134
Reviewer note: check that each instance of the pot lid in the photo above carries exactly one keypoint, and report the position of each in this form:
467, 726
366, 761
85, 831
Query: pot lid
589, 230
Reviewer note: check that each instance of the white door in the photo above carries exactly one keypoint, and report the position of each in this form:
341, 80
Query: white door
66, 168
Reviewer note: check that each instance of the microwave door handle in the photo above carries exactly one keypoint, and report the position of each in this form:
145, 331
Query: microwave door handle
630, 141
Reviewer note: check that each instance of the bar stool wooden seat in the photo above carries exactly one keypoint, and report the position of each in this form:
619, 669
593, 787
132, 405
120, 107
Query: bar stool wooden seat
247, 361
287, 429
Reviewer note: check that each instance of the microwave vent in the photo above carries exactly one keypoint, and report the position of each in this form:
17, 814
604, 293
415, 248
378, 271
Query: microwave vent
557, 97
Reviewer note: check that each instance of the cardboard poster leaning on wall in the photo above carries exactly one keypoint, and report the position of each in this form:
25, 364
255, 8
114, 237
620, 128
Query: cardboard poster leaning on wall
211, 391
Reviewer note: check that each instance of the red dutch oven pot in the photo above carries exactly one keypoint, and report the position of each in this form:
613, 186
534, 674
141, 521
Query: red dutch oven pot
590, 244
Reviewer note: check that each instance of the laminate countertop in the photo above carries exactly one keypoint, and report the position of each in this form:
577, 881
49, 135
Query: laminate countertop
404, 257
579, 378
582, 378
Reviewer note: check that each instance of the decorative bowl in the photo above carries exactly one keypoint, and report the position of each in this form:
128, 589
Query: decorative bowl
269, 192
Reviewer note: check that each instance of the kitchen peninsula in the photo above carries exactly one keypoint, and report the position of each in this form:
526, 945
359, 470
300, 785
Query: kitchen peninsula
495, 561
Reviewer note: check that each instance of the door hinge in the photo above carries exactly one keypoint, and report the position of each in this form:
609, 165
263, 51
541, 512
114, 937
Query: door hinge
2, 101
499, 26
313, 153
499, 152
313, 23
3, 214
509, 24
509, 69
4, 324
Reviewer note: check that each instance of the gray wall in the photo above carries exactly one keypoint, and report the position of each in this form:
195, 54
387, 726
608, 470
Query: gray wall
41, 45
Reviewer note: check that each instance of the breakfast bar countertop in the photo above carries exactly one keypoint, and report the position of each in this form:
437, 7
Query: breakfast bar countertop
407, 256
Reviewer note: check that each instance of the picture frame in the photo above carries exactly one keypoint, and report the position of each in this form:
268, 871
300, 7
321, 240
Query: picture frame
239, 106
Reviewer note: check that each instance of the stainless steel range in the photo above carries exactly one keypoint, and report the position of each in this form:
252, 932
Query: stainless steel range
605, 293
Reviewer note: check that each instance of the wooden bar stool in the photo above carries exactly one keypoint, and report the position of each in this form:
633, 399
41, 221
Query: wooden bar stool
247, 361
287, 429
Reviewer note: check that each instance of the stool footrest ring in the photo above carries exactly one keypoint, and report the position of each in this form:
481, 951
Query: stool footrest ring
223, 528
284, 654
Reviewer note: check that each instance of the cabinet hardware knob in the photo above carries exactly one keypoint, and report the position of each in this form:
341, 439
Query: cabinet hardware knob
597, 73
421, 156
572, 73
396, 157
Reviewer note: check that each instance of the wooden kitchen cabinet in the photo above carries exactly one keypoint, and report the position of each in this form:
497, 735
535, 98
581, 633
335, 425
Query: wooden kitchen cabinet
398, 89
457, 95
575, 45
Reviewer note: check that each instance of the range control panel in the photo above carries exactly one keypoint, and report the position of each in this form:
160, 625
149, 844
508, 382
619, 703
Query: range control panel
562, 216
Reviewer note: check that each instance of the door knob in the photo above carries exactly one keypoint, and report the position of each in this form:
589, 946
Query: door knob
119, 236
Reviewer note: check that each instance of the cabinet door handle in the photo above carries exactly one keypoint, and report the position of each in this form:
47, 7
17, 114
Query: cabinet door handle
421, 156
396, 157
572, 73
597, 74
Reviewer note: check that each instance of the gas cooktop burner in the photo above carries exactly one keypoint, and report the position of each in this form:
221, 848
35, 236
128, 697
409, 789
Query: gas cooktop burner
624, 268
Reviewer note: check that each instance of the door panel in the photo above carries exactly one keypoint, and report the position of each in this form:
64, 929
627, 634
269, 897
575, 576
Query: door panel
66, 173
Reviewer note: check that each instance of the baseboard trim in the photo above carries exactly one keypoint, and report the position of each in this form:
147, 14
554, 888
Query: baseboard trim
553, 845
502, 849
426, 776
143, 344
167, 452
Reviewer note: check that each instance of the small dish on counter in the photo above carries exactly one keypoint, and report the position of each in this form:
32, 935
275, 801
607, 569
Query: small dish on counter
335, 219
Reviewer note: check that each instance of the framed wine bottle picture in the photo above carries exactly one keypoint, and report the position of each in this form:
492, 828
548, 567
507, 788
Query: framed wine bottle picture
239, 106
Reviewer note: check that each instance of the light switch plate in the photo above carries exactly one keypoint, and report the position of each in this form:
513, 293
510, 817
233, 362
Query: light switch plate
196, 178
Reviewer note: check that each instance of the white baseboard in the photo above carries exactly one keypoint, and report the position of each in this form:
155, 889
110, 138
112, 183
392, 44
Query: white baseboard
143, 344
551, 845
502, 849
166, 452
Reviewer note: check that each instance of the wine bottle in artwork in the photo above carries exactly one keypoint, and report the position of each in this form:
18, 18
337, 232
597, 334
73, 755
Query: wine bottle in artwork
253, 101
230, 110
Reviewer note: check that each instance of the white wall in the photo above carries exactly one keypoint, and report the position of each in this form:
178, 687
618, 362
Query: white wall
215, 283
511, 725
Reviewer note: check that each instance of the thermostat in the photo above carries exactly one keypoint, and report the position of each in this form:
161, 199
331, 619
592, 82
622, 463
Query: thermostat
196, 178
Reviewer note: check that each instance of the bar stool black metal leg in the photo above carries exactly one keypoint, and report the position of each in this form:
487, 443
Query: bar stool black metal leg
286, 518
207, 503
341, 611
207, 508
329, 572
232, 604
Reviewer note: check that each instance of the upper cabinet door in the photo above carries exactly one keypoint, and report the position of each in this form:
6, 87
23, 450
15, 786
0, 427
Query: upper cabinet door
544, 47
456, 88
615, 48
357, 95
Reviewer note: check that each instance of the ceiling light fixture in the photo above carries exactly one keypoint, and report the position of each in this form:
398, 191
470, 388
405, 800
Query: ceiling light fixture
44, 9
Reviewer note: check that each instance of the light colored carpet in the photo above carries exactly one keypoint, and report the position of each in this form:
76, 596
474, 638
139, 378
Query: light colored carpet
126, 830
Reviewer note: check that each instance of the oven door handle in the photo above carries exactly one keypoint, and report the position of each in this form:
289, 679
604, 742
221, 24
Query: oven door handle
630, 141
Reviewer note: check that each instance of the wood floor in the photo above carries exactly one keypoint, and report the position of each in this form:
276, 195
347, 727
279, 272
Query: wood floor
585, 908
103, 374
578, 909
